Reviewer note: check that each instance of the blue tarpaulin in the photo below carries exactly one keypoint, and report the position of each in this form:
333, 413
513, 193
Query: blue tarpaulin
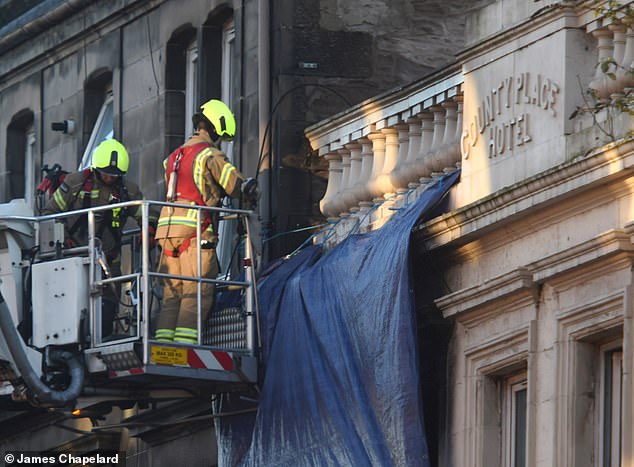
341, 384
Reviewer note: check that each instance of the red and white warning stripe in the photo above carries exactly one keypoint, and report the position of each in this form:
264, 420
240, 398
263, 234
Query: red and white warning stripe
210, 359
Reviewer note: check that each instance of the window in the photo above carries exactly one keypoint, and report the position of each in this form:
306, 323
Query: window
514, 424
228, 42
20, 158
227, 229
182, 63
611, 406
191, 87
102, 130
504, 418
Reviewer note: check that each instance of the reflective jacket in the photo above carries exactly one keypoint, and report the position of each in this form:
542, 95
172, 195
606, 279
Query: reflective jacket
84, 189
204, 171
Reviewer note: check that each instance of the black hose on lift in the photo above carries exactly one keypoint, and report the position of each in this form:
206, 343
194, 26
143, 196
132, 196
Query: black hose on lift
43, 393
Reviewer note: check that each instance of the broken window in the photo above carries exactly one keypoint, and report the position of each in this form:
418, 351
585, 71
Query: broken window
103, 129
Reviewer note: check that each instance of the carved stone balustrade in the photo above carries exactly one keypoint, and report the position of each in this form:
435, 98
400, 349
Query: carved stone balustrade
381, 149
501, 120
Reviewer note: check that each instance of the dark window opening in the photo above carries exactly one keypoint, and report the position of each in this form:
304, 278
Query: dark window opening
179, 48
19, 175
98, 124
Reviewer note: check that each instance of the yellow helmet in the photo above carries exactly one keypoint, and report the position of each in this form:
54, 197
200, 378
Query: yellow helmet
111, 157
220, 117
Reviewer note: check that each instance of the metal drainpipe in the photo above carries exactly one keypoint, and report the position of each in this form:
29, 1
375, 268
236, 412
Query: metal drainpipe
264, 103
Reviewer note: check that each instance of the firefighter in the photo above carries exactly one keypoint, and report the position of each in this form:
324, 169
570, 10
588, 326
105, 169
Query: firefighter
197, 173
101, 184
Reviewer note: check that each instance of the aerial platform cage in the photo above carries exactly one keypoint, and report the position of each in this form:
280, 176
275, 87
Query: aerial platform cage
69, 306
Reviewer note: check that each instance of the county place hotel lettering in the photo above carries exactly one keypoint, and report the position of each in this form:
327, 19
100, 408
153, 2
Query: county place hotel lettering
504, 132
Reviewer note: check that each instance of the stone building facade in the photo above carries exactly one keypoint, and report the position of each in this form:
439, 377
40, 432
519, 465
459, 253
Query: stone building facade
524, 284
73, 72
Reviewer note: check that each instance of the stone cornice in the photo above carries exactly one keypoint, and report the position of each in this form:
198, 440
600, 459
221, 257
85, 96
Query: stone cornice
610, 251
459, 226
611, 243
518, 283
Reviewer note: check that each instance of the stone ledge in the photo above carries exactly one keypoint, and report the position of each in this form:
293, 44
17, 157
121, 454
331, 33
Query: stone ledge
459, 226
517, 283
607, 244
520, 285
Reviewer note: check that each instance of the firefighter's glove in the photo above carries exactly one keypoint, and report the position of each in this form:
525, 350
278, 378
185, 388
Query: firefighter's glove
250, 191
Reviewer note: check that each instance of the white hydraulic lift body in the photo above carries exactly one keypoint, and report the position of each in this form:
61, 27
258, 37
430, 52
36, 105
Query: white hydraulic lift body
52, 351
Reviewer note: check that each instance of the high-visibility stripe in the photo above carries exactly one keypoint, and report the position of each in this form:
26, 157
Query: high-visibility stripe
180, 220
200, 165
164, 335
94, 194
187, 332
227, 170
186, 340
59, 199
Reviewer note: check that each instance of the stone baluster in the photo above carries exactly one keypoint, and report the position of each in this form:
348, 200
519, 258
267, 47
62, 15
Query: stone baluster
442, 156
345, 179
421, 166
599, 83
378, 160
361, 191
434, 165
456, 154
349, 194
404, 140
615, 87
328, 205
384, 184
624, 74
405, 172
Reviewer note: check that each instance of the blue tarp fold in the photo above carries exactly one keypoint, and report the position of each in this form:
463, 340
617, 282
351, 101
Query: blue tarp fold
341, 382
